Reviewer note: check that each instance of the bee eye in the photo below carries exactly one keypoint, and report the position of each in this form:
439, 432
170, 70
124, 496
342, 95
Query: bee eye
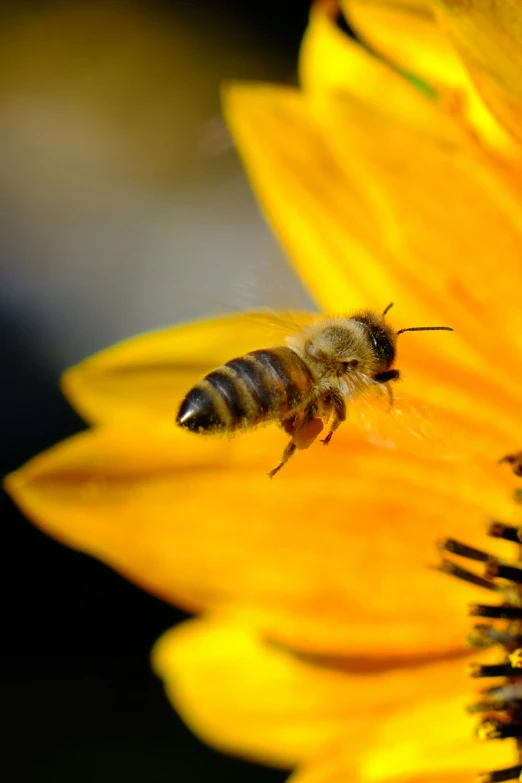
351, 365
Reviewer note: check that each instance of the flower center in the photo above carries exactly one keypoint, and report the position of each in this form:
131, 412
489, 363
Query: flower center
500, 705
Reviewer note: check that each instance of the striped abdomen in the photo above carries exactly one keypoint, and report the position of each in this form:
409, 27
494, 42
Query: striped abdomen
261, 385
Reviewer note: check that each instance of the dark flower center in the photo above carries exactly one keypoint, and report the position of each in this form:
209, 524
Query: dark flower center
500, 706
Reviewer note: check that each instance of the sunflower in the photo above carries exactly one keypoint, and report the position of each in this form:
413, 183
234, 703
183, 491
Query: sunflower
323, 641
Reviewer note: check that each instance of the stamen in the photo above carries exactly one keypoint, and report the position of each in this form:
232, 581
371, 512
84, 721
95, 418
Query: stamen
493, 705
515, 460
492, 729
516, 659
451, 568
501, 704
502, 612
462, 550
498, 529
511, 773
493, 670
512, 691
486, 635
496, 569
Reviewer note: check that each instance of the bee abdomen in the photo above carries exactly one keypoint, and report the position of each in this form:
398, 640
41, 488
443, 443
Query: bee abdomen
214, 404
261, 385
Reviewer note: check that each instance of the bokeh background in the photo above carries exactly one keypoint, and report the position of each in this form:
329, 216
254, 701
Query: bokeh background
123, 207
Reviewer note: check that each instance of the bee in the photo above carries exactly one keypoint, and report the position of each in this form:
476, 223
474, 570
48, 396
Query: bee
301, 384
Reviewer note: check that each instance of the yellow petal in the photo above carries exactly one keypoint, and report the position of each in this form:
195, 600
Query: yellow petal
331, 61
366, 220
432, 742
317, 213
149, 374
409, 36
244, 695
488, 36
322, 557
427, 741
446, 217
466, 410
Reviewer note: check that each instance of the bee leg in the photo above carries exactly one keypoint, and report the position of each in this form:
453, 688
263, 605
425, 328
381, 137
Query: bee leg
287, 453
304, 429
390, 393
384, 378
339, 414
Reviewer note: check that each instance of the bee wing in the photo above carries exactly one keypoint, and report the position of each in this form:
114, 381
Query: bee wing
282, 323
278, 323
406, 422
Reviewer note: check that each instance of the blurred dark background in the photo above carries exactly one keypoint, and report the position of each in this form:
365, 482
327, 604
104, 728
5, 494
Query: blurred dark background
123, 207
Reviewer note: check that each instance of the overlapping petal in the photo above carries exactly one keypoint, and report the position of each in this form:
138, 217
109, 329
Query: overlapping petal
488, 36
356, 197
445, 245
330, 61
239, 692
334, 557
431, 741
407, 35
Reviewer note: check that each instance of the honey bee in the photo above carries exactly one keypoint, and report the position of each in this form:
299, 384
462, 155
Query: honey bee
301, 384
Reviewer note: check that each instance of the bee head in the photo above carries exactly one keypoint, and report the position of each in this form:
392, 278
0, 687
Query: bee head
362, 345
379, 337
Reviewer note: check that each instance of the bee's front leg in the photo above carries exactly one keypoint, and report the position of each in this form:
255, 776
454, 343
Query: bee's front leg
335, 401
384, 379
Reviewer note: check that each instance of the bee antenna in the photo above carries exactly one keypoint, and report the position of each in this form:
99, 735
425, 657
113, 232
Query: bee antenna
426, 329
387, 308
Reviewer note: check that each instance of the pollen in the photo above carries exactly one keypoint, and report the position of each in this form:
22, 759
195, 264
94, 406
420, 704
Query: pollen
500, 628
308, 433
